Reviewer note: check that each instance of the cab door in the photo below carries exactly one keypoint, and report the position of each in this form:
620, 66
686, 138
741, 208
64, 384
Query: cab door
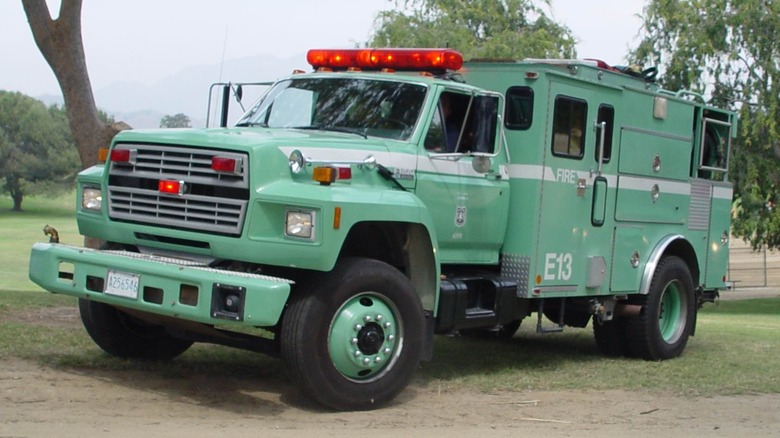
463, 177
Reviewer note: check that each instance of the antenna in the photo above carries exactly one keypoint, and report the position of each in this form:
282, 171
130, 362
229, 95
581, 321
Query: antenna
212, 112
224, 48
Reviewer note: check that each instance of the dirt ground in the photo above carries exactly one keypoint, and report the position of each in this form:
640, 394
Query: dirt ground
41, 401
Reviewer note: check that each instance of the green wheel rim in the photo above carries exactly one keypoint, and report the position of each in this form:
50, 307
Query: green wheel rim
365, 337
672, 312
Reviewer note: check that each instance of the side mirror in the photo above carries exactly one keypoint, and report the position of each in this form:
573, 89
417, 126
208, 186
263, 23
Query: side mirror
480, 164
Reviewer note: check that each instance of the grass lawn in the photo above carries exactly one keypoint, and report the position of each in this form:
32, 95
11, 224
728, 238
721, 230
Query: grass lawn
20, 230
734, 350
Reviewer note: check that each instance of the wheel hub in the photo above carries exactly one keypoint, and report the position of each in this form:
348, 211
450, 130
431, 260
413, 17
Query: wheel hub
370, 339
364, 337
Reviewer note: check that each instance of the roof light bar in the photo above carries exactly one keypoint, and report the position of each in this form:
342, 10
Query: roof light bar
377, 59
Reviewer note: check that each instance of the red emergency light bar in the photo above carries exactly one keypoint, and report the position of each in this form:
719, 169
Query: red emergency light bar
394, 59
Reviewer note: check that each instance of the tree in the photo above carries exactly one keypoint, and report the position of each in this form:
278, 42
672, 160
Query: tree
479, 28
36, 149
61, 45
729, 51
177, 121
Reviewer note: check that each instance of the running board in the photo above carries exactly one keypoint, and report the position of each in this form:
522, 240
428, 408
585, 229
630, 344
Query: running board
540, 314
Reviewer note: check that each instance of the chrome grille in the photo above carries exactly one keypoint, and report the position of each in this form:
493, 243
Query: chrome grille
214, 202
175, 162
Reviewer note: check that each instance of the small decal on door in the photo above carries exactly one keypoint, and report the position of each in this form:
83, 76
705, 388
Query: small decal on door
460, 216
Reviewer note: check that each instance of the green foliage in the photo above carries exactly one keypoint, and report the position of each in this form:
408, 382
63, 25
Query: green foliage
498, 29
729, 50
176, 121
37, 155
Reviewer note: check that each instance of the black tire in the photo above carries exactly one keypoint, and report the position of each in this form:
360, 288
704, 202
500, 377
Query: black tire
121, 335
668, 314
331, 327
611, 337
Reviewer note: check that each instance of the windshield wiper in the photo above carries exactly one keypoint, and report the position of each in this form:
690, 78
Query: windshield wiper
387, 174
250, 124
332, 129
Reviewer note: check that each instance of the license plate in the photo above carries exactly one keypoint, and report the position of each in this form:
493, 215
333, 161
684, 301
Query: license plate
122, 284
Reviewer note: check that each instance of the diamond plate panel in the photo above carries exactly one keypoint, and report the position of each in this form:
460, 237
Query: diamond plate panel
518, 268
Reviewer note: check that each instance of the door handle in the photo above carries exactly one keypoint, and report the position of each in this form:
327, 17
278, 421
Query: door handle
581, 186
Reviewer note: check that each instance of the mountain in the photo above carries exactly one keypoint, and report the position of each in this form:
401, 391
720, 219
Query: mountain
142, 106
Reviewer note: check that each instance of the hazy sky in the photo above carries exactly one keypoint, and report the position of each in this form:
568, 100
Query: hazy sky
146, 40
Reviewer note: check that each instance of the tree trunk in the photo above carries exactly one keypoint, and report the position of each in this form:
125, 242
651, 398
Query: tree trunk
17, 197
61, 45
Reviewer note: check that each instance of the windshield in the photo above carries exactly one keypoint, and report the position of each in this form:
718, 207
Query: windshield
366, 107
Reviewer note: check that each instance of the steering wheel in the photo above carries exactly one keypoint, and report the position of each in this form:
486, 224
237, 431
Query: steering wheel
394, 124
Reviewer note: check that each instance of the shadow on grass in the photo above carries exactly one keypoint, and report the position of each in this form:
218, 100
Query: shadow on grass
461, 356
208, 376
256, 385
252, 384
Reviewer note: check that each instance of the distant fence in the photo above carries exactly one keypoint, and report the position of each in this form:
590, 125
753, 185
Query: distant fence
749, 268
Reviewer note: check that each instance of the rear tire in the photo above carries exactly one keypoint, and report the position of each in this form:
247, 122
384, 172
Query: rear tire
121, 335
353, 337
668, 313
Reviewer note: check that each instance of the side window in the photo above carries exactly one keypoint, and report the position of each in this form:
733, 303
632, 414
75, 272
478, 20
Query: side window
434, 140
606, 115
519, 108
569, 127
444, 133
479, 134
714, 151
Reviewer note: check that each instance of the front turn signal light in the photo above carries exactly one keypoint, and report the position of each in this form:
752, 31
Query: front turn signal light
325, 175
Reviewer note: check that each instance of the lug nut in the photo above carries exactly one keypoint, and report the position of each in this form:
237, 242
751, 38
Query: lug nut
388, 325
358, 327
367, 318
366, 360
377, 359
387, 350
391, 338
353, 341
358, 353
379, 317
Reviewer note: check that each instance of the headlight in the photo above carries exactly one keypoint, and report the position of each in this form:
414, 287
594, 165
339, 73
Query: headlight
91, 199
299, 224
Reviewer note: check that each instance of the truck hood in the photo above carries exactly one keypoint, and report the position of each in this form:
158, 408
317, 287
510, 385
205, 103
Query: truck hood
251, 139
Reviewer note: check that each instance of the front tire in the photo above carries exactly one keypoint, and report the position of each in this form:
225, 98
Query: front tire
353, 337
668, 313
121, 335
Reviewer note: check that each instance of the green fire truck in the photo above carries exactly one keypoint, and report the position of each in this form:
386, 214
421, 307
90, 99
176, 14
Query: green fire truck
388, 195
